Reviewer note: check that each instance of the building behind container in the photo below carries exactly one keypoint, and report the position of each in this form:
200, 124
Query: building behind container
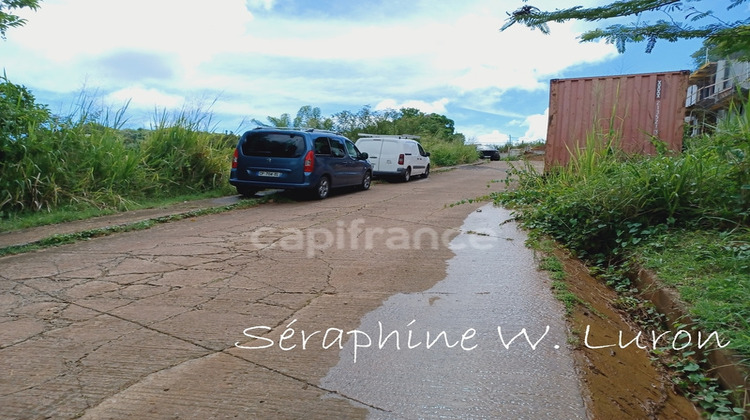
631, 110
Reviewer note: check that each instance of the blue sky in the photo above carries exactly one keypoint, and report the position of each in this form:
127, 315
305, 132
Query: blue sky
242, 60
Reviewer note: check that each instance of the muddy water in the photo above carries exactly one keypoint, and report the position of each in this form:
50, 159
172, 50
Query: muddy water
492, 287
620, 382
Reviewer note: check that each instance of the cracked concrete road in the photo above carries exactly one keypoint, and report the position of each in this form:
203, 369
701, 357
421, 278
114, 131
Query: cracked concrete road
146, 324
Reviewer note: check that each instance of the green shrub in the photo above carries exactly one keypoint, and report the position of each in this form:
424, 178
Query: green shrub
602, 202
182, 156
443, 153
86, 159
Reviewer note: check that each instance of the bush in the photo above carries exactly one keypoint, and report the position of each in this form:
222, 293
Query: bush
444, 153
86, 159
604, 202
182, 156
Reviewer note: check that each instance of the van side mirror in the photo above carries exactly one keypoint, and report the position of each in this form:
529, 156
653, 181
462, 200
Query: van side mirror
363, 156
427, 154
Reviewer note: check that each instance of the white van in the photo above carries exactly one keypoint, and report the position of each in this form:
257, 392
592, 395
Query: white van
395, 156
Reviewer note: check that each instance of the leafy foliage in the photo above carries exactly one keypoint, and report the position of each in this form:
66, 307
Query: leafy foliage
728, 37
602, 204
8, 19
86, 159
19, 113
307, 117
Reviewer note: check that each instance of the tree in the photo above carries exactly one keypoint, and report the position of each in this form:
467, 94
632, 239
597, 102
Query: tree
19, 113
414, 121
706, 53
307, 117
728, 37
8, 19
365, 121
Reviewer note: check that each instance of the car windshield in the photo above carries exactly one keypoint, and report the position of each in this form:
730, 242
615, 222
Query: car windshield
274, 145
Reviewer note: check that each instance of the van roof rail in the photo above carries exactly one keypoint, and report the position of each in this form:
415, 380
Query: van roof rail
306, 129
391, 136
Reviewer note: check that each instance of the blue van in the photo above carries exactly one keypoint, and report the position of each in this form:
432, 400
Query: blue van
309, 159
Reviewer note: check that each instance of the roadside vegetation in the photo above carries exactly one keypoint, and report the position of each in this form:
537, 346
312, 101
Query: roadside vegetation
62, 168
685, 216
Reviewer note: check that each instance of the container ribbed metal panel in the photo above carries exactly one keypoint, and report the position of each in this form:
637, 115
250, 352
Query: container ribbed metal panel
631, 109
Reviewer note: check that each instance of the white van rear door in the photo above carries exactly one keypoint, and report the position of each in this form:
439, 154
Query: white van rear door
373, 149
389, 155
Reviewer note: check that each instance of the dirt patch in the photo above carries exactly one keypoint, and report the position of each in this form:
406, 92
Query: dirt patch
621, 382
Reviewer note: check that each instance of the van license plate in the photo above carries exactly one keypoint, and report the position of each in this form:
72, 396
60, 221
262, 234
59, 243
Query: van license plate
270, 174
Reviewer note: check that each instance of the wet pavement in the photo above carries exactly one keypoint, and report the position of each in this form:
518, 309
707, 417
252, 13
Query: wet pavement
454, 351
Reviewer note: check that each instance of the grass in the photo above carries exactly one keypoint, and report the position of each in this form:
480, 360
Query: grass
449, 154
556, 269
711, 272
86, 161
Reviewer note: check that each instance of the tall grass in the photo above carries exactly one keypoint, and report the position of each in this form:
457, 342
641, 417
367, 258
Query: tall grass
182, 153
85, 159
603, 200
444, 153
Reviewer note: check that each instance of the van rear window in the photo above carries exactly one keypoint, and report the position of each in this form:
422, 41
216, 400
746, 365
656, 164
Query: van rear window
273, 145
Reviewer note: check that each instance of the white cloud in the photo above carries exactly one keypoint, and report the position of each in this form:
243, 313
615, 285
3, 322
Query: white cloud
494, 138
147, 98
88, 27
436, 107
537, 126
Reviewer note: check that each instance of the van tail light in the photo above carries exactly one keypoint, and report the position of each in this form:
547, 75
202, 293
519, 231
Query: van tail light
309, 162
234, 159
401, 159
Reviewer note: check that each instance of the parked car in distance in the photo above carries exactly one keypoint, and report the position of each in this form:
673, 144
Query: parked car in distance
488, 152
399, 157
308, 159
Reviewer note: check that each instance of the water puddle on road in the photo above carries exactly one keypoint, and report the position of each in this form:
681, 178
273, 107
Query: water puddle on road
488, 341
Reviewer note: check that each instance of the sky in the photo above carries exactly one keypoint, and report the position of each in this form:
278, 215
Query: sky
239, 60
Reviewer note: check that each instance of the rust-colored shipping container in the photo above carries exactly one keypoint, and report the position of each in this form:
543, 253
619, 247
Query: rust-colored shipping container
636, 107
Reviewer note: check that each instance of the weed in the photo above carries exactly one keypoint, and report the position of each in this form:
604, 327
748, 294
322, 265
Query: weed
551, 264
705, 390
711, 271
469, 201
569, 299
444, 153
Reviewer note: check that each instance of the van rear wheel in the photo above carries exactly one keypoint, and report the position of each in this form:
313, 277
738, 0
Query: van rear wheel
322, 188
